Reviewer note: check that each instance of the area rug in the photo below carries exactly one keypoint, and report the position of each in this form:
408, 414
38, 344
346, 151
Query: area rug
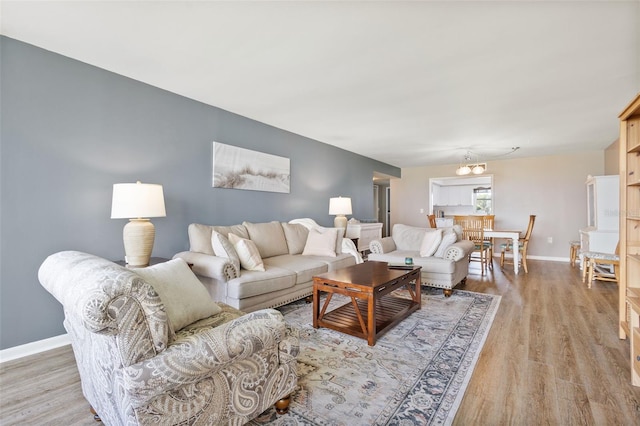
416, 374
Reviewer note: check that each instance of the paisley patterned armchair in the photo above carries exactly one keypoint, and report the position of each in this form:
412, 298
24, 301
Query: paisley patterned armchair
135, 369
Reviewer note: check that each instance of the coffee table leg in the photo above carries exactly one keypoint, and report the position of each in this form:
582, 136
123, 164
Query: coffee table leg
316, 305
371, 320
418, 298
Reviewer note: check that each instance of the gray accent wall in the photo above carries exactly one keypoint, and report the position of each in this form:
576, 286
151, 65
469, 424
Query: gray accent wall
69, 131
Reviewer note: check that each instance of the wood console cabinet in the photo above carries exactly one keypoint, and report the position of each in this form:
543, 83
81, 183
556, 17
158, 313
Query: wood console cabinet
629, 280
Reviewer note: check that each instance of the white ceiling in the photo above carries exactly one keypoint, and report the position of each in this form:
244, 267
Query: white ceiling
407, 83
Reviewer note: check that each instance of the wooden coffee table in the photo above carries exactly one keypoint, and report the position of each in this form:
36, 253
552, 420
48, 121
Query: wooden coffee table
372, 310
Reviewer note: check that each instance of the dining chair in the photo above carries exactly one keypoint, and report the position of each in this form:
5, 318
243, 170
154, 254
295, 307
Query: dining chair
487, 223
473, 229
598, 266
523, 244
432, 220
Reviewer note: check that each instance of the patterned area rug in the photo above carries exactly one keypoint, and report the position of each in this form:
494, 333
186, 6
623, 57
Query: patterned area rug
416, 374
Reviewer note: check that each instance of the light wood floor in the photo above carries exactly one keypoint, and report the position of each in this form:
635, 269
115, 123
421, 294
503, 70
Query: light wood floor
552, 357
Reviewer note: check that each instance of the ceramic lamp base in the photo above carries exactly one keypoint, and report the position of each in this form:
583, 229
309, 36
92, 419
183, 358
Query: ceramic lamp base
340, 221
138, 236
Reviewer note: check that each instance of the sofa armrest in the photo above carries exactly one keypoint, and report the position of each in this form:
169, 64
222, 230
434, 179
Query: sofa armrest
206, 265
458, 250
382, 245
194, 357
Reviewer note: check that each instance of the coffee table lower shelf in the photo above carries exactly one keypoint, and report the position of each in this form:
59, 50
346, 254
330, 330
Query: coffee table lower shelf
389, 312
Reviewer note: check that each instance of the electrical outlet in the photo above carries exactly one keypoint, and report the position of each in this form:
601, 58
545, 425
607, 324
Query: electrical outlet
550, 240
421, 210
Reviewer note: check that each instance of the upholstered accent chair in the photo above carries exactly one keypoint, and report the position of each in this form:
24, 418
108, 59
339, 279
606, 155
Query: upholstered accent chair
137, 368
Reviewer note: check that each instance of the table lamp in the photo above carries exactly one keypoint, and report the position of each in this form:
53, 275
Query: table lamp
137, 202
340, 207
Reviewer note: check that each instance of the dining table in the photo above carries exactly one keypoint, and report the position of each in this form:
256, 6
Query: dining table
514, 236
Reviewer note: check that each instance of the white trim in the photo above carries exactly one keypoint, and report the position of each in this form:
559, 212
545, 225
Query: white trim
548, 258
32, 348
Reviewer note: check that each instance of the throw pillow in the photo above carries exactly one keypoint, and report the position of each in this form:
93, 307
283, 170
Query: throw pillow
448, 238
223, 248
268, 237
296, 236
184, 297
247, 252
321, 242
430, 242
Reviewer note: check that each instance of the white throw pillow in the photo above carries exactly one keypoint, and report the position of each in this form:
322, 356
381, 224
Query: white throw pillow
448, 238
222, 247
184, 297
321, 242
247, 252
430, 242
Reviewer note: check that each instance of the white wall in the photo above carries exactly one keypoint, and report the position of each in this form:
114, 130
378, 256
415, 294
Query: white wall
553, 188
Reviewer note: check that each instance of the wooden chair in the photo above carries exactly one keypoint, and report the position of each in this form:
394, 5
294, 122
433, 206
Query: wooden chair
432, 220
473, 229
488, 222
523, 244
593, 263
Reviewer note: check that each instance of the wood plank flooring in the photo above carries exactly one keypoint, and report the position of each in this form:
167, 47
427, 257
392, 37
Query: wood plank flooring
552, 357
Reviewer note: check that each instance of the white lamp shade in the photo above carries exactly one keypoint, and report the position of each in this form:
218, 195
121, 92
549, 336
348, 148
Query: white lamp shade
340, 205
478, 169
463, 170
137, 200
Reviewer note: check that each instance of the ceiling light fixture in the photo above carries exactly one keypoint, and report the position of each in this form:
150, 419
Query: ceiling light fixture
475, 168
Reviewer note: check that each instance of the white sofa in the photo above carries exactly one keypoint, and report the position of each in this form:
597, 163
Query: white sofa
447, 268
287, 275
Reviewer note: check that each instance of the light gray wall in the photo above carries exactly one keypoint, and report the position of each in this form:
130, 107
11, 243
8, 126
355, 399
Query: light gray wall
552, 187
70, 131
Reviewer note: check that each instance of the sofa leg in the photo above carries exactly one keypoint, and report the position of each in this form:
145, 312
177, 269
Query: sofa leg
96, 417
282, 406
447, 292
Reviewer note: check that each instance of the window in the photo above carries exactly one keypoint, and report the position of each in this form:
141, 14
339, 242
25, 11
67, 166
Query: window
482, 200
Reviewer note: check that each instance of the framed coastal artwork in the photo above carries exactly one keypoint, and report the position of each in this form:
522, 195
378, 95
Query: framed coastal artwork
240, 168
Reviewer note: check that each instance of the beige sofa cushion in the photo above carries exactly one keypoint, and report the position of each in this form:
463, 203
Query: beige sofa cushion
247, 252
238, 230
321, 242
408, 237
305, 267
184, 297
448, 238
268, 237
224, 248
430, 242
252, 283
200, 238
296, 236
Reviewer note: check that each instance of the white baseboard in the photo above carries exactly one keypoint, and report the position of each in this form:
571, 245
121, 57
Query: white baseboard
548, 258
32, 348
